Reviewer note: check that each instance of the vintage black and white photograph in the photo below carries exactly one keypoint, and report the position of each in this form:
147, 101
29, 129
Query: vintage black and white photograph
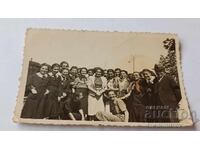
72, 77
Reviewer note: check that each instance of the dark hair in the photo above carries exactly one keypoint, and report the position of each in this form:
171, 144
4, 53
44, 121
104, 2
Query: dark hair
124, 71
83, 68
45, 64
98, 68
55, 65
110, 70
91, 70
130, 74
108, 91
140, 74
136, 72
74, 67
117, 69
64, 62
147, 70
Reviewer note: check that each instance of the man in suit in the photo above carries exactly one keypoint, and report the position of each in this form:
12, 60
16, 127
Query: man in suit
168, 96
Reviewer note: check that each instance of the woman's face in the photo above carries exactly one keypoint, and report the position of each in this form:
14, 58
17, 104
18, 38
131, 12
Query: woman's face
55, 70
83, 72
131, 78
65, 66
90, 73
44, 70
112, 95
147, 75
98, 73
105, 74
65, 72
110, 74
74, 71
136, 76
123, 75
117, 73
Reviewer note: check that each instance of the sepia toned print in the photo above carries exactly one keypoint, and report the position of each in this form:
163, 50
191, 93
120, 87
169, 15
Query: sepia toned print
102, 78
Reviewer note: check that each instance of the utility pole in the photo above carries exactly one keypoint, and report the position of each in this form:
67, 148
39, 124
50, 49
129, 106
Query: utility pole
133, 62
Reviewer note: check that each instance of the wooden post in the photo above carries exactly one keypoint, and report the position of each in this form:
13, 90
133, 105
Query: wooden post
133, 59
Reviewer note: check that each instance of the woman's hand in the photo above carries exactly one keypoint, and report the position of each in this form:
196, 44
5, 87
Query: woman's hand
47, 92
73, 90
64, 94
34, 91
98, 93
59, 98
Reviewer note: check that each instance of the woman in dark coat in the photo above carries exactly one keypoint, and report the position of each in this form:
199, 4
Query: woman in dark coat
65, 92
135, 99
149, 97
37, 85
52, 101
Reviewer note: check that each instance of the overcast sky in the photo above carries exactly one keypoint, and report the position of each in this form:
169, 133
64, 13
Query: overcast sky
91, 49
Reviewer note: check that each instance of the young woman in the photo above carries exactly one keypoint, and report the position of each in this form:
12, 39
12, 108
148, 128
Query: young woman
90, 72
149, 97
97, 85
65, 83
37, 85
64, 65
80, 86
116, 81
73, 75
137, 97
74, 72
134, 99
150, 77
64, 92
105, 73
52, 101
123, 83
73, 109
111, 80
117, 72
111, 74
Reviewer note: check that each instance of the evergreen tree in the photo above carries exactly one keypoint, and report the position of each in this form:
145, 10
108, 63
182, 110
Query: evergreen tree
169, 61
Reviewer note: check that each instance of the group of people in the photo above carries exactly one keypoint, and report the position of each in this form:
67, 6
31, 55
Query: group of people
71, 93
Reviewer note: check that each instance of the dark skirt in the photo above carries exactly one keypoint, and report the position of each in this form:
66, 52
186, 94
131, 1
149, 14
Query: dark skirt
77, 116
62, 111
137, 113
33, 107
51, 104
136, 108
84, 101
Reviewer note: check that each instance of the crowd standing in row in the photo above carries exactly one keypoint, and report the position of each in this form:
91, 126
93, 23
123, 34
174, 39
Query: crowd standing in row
58, 92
